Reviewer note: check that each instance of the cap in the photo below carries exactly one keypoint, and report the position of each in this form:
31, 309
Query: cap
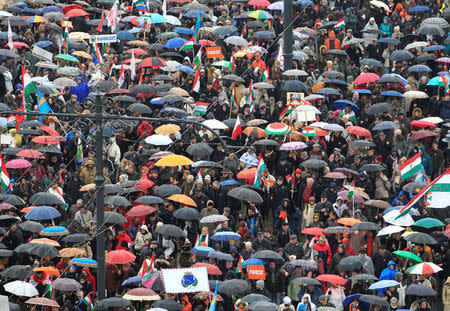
293, 236
207, 177
322, 297
323, 195
285, 224
342, 245
362, 251
333, 185
287, 300
304, 154
372, 19
298, 171
393, 299
260, 234
357, 157
227, 209
154, 242
210, 202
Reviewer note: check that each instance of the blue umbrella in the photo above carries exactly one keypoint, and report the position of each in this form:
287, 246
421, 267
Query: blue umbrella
175, 43
185, 69
385, 125
84, 262
225, 236
125, 36
336, 81
328, 91
230, 182
135, 280
4, 35
220, 256
418, 8
108, 130
433, 81
43, 44
419, 68
340, 104
383, 284
434, 48
54, 231
351, 298
255, 262
42, 213
156, 101
194, 14
396, 208
201, 250
31, 12
183, 31
305, 2
149, 199
389, 41
392, 94
157, 18
135, 30
362, 91
49, 9
19, 3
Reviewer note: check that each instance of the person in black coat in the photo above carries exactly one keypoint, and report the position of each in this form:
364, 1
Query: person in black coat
380, 259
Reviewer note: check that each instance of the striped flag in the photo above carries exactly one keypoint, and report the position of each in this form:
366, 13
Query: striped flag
198, 59
280, 57
286, 111
10, 37
112, 69
88, 302
340, 24
411, 166
259, 170
113, 16
79, 155
196, 84
133, 65
351, 193
241, 265
214, 300
59, 195
121, 77
233, 97
199, 177
100, 26
309, 132
201, 107
265, 75
188, 45
98, 54
4, 179
233, 62
237, 130
147, 268
250, 96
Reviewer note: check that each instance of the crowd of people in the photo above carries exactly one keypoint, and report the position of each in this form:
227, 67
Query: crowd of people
317, 171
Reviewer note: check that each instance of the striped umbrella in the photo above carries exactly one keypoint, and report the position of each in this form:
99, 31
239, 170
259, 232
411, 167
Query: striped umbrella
277, 128
84, 262
54, 231
424, 268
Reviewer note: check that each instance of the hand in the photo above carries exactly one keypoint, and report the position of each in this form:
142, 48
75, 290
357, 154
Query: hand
286, 274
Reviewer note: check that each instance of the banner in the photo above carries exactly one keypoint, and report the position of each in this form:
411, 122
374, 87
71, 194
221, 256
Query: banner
256, 272
294, 98
103, 38
214, 52
188, 280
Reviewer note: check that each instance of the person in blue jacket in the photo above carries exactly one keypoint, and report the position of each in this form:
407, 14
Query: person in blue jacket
388, 273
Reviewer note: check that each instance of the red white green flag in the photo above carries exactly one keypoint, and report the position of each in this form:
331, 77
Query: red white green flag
4, 179
88, 302
259, 170
237, 130
411, 166
196, 85
241, 265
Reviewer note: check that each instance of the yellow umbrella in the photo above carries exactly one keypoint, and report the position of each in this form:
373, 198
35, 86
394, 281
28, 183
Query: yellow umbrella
406, 233
87, 187
167, 129
72, 252
82, 54
174, 160
183, 199
138, 43
46, 241
318, 86
179, 91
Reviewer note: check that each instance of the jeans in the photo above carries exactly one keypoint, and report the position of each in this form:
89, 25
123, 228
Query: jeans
275, 298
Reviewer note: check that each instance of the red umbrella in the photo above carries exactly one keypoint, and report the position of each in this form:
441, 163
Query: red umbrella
153, 62
51, 140
247, 173
128, 61
19, 45
204, 42
50, 130
119, 91
367, 78
213, 270
18, 163
120, 257
144, 185
314, 231
259, 3
419, 123
140, 210
6, 206
137, 51
69, 7
76, 13
30, 153
358, 130
422, 134
332, 278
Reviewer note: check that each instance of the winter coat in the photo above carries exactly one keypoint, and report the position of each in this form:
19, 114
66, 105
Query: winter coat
446, 294
334, 262
427, 163
274, 280
324, 253
140, 238
296, 249
382, 186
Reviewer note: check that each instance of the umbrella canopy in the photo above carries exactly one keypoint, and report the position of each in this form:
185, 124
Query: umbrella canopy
66, 285
20, 288
383, 284
420, 290
409, 255
267, 255
245, 194
170, 230
234, 286
262, 306
420, 238
349, 263
141, 294
120, 257
187, 213
374, 300
331, 278
113, 302
424, 268
42, 213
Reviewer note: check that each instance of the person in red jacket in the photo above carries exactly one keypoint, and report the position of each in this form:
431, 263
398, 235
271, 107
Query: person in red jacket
145, 128
122, 239
324, 250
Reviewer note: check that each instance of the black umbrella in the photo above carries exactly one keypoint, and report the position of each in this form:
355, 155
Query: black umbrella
131, 190
40, 250
113, 302
6, 253
372, 168
373, 31
16, 21
117, 200
18, 272
143, 88
254, 297
425, 57
379, 108
337, 52
49, 149
44, 198
170, 230
76, 238
234, 286
432, 30
106, 85
224, 30
420, 238
401, 55
220, 256
372, 62
267, 255
255, 24
28, 131
349, 263
12, 199
374, 300
130, 183
233, 78
166, 190
31, 226
265, 142
168, 305
245, 194
364, 277
366, 226
264, 35
199, 150
314, 163
329, 24
111, 189
263, 306
11, 150
66, 285
385, 125
307, 281
414, 187
187, 213
337, 229
390, 79
294, 86
420, 290
149, 199
8, 220
32, 123
113, 218
140, 108
171, 98
206, 164
125, 98
363, 143
13, 306
161, 78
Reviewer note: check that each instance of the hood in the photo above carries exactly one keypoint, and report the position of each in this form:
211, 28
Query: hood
144, 227
90, 162
306, 296
391, 262
332, 35
348, 10
260, 283
185, 298
422, 149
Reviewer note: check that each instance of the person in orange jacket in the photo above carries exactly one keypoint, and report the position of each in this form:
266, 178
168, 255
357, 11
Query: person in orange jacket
332, 42
258, 62
187, 306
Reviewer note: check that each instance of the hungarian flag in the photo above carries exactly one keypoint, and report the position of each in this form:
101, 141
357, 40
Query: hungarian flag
291, 178
66, 37
199, 176
241, 265
340, 24
4, 179
437, 194
233, 62
250, 96
59, 195
351, 193
443, 81
188, 45
309, 132
233, 97
100, 26
147, 268
259, 170
112, 16
28, 86
237, 130
180, 16
201, 107
98, 54
121, 77
411, 166
280, 57
50, 289
286, 111
196, 85
10, 37
244, 30
198, 59
265, 75
88, 302
112, 69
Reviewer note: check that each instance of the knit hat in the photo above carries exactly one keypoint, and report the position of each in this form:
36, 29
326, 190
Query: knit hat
286, 300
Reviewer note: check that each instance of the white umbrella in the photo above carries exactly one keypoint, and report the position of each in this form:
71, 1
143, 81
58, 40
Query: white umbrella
404, 221
435, 120
391, 229
213, 218
20, 288
380, 4
172, 20
303, 108
313, 97
236, 40
415, 94
295, 72
215, 124
158, 140
255, 49
319, 124
415, 45
5, 14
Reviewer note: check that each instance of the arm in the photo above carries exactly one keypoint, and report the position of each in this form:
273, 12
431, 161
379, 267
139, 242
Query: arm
329, 255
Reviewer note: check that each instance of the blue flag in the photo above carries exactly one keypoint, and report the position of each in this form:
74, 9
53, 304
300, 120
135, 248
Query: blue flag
214, 300
420, 175
198, 25
43, 105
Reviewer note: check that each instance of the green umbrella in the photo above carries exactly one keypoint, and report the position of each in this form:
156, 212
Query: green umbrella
254, 297
429, 223
408, 255
67, 57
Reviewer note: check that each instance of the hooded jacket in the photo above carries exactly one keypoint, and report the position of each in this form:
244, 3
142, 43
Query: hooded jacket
306, 306
388, 273
81, 90
188, 305
140, 238
426, 161
332, 42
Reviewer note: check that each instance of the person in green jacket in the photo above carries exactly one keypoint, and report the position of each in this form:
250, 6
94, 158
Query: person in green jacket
351, 21
427, 163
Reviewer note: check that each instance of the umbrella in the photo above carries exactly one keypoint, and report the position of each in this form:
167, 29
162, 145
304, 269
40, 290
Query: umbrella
337, 229
225, 236
267, 255
424, 268
363, 277
420, 290
212, 269
331, 278
414, 187
368, 77
54, 231
199, 150
349, 263
213, 219
293, 145
366, 226
294, 86
254, 297
20, 288
265, 142
166, 190
374, 300
120, 257
187, 213
17, 272
277, 128
170, 230
379, 108
158, 140
245, 194
141, 294
306, 265
236, 40
262, 306
31, 226
18, 163
383, 284
422, 134
42, 213
433, 30
149, 200
408, 255
372, 168
404, 220
168, 305
391, 229
420, 238
76, 238
174, 160
141, 210
140, 108
117, 200
429, 223
234, 286
66, 285
385, 125
112, 218
314, 164
113, 302
44, 198
220, 256
359, 131
401, 55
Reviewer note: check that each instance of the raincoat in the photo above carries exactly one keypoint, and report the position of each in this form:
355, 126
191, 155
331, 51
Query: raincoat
82, 90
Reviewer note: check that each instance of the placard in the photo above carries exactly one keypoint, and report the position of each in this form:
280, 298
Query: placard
103, 38
214, 52
306, 116
256, 272
42, 54
188, 280
294, 98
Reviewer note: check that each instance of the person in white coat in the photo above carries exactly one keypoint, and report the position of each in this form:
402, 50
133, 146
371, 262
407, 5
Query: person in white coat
337, 296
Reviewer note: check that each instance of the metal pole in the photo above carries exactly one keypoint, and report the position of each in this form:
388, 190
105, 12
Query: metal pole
99, 200
287, 34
